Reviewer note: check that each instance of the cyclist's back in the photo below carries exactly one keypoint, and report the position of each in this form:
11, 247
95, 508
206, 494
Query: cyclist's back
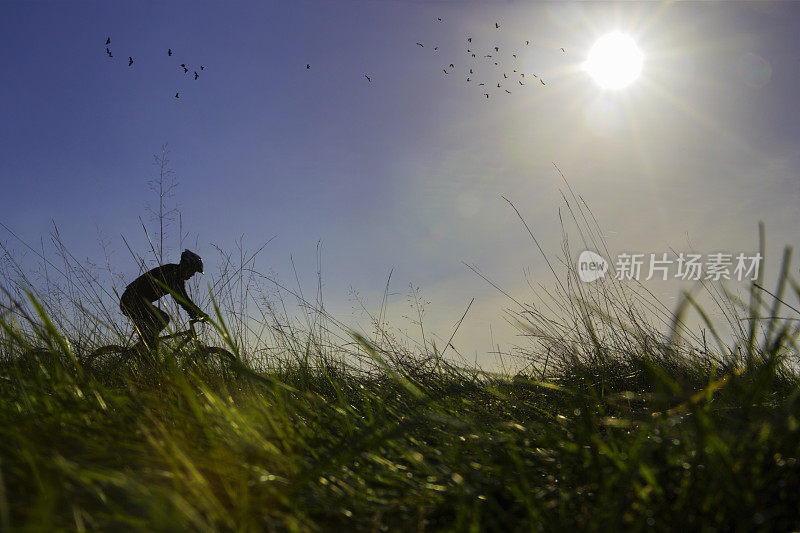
154, 284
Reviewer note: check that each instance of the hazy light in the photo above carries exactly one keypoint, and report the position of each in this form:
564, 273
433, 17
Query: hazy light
614, 61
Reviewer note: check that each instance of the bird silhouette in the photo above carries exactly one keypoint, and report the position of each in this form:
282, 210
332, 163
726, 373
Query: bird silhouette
504, 75
487, 55
420, 44
563, 50
451, 65
473, 55
498, 85
467, 79
307, 67
497, 25
509, 92
176, 95
522, 74
486, 95
514, 55
202, 67
496, 49
520, 82
195, 74
470, 71
169, 52
439, 19
108, 51
481, 84
443, 70
185, 70
469, 39
435, 47
543, 83
108, 41
130, 61
527, 43
368, 78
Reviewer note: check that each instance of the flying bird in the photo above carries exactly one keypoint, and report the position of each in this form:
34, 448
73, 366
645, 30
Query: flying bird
169, 52
195, 74
130, 61
185, 70
473, 55
202, 67
563, 50
486, 95
481, 84
108, 51
497, 25
504, 75
307, 67
467, 79
470, 71
420, 44
439, 19
509, 92
435, 47
527, 43
498, 85
520, 82
451, 65
368, 78
487, 55
514, 55
176, 95
443, 70
496, 49
543, 83
108, 41
469, 39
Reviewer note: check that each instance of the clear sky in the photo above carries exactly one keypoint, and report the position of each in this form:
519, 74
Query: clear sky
405, 171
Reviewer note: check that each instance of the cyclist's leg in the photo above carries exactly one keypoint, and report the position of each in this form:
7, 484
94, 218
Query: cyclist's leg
153, 322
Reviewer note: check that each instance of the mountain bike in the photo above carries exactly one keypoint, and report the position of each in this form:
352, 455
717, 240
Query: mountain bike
180, 342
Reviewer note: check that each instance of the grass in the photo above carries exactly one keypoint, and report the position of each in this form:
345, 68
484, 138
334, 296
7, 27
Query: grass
612, 426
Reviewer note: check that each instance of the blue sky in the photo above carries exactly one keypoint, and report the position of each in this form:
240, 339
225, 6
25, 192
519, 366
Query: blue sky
405, 172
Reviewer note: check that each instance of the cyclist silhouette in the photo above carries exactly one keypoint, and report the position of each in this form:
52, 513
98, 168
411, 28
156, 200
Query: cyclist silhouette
137, 301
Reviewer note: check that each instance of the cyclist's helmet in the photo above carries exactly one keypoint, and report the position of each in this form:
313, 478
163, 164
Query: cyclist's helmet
192, 260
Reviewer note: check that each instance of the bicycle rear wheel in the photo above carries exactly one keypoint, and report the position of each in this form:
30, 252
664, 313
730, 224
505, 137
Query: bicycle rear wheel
107, 357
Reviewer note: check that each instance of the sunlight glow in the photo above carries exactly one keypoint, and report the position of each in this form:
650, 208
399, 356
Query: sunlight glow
614, 61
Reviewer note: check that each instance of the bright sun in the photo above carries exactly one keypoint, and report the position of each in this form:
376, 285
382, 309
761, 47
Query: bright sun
614, 61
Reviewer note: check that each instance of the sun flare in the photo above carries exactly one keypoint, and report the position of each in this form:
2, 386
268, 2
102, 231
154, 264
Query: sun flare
614, 61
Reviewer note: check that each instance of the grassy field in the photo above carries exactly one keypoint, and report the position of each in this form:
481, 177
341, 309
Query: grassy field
612, 425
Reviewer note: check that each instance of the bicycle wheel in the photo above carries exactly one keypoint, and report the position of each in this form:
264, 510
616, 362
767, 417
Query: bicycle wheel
107, 357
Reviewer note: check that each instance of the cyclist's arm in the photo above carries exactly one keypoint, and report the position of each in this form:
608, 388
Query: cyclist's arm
188, 305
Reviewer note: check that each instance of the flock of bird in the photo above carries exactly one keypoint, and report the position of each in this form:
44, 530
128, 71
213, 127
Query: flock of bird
498, 64
475, 60
169, 54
